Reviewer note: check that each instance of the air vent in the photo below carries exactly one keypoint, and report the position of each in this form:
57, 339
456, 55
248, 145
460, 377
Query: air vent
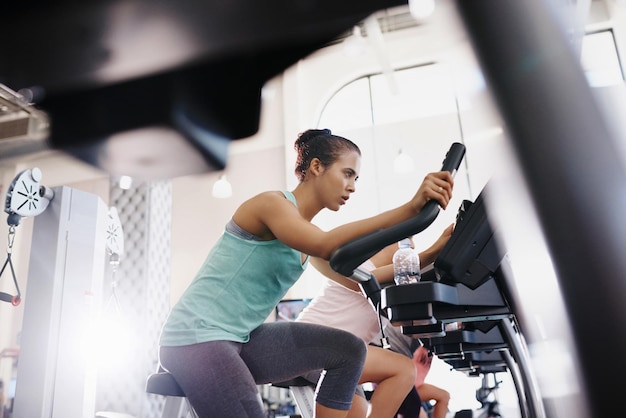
390, 20
14, 125
23, 128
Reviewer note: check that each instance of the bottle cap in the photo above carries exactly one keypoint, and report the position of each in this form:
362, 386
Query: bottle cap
405, 243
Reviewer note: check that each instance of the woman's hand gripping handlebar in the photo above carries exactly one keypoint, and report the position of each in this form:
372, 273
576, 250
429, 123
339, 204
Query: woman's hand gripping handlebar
347, 257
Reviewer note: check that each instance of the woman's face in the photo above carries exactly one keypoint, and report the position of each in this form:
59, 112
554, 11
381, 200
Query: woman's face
339, 179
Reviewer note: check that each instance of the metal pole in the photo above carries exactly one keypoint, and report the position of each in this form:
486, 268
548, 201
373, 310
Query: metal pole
573, 170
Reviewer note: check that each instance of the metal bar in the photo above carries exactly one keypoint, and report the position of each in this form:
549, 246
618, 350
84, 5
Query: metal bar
573, 170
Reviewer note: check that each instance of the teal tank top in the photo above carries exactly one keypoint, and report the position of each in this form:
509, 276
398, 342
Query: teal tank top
236, 289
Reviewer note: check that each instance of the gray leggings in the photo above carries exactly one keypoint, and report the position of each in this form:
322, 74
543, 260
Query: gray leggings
220, 377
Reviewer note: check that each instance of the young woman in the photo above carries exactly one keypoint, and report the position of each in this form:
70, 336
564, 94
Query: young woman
215, 342
341, 305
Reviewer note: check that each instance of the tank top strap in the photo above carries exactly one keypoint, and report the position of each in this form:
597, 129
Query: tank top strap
290, 197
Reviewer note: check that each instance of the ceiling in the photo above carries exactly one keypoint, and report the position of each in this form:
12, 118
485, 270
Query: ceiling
93, 100
108, 72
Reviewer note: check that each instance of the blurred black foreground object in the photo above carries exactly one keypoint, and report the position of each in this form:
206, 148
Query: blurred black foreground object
158, 88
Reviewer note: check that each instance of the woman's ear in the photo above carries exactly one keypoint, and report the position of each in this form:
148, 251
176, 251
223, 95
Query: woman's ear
316, 167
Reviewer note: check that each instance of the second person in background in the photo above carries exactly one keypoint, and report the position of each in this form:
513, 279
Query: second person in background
342, 305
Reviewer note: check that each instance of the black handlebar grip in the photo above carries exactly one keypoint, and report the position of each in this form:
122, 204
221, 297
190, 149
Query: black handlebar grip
453, 159
348, 256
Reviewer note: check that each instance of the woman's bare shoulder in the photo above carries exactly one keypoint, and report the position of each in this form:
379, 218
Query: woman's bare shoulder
254, 214
254, 206
271, 196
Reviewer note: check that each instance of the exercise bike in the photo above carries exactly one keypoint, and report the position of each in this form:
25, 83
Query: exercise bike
344, 260
487, 395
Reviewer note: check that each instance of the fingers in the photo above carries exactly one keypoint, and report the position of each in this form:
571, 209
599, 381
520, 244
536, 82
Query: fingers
445, 183
438, 186
446, 234
443, 197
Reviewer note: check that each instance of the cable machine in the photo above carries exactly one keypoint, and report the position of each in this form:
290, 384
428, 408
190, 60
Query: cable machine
55, 377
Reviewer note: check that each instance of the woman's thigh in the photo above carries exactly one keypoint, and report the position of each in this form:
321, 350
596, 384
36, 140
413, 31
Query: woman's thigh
281, 351
215, 379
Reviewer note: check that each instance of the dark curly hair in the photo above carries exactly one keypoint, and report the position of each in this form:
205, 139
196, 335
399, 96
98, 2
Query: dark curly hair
320, 144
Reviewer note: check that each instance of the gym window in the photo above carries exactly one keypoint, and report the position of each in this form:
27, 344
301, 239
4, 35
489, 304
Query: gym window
379, 99
428, 90
600, 59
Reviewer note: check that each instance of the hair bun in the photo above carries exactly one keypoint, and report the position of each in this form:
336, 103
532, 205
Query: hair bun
322, 145
308, 135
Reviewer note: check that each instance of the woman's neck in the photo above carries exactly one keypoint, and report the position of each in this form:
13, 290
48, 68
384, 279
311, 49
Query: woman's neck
308, 206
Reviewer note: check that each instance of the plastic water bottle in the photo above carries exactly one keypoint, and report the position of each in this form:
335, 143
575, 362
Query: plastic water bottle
406, 264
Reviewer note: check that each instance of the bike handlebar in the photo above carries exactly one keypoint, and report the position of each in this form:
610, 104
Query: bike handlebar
348, 256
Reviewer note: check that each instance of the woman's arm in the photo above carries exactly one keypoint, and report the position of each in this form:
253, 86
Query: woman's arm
384, 267
429, 255
323, 266
270, 215
383, 262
